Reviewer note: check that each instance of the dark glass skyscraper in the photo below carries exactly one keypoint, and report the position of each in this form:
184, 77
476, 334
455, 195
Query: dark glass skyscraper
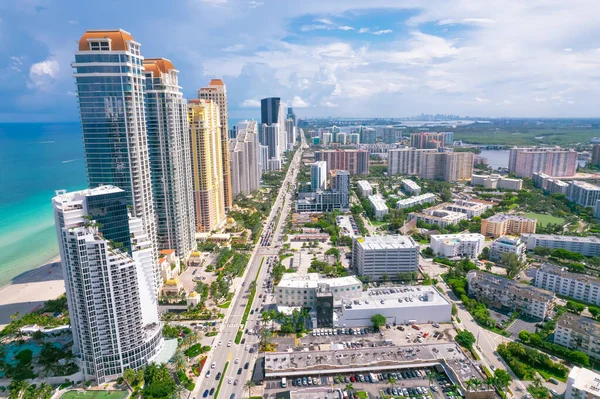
269, 110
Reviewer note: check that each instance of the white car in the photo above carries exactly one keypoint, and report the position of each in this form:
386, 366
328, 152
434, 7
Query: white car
229, 343
237, 360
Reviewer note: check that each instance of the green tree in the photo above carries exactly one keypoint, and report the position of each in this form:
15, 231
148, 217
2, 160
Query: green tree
465, 338
502, 377
595, 311
249, 385
378, 321
575, 307
513, 264
524, 336
454, 309
446, 195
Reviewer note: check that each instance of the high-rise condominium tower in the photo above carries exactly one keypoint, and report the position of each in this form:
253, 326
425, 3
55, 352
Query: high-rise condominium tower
110, 89
170, 157
207, 164
318, 176
217, 92
107, 263
245, 159
272, 114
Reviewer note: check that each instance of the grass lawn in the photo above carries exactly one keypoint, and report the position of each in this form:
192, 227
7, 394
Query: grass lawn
545, 219
362, 395
224, 305
94, 395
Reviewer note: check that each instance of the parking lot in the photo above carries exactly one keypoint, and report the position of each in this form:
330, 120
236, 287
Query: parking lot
409, 382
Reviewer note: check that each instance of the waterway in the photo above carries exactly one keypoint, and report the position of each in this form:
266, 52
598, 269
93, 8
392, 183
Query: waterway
496, 158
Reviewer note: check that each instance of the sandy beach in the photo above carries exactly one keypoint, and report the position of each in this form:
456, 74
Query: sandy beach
30, 290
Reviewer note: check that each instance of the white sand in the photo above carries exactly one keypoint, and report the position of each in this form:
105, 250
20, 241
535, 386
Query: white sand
30, 290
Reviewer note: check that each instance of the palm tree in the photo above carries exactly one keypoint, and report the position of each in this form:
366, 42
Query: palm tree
249, 385
477, 383
16, 388
349, 387
469, 384
45, 391
340, 378
536, 382
490, 382
392, 381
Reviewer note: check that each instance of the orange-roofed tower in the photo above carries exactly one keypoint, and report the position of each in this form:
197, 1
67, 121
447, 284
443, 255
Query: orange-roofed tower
217, 92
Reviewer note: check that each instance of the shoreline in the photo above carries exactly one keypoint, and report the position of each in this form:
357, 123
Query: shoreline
29, 290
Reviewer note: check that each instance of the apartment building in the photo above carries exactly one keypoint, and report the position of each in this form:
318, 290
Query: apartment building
411, 187
583, 193
356, 162
406, 161
495, 181
382, 256
244, 154
582, 287
588, 246
507, 245
413, 201
438, 216
431, 139
453, 245
364, 188
207, 165
318, 176
431, 164
170, 157
502, 293
555, 161
379, 206
216, 91
578, 333
583, 384
336, 198
108, 265
296, 289
471, 208
503, 224
550, 184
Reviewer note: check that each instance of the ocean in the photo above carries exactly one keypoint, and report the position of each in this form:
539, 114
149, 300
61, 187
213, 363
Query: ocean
35, 160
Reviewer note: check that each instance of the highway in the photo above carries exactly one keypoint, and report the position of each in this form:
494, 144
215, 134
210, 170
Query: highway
224, 348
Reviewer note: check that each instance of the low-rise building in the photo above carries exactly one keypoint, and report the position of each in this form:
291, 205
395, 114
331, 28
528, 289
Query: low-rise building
413, 201
168, 262
411, 187
364, 188
379, 206
496, 181
578, 333
471, 208
452, 245
574, 285
583, 384
583, 193
436, 216
588, 246
507, 245
382, 256
504, 223
549, 183
399, 305
501, 293
296, 289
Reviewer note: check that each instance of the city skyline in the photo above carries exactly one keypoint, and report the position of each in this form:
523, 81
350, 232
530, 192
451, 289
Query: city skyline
326, 58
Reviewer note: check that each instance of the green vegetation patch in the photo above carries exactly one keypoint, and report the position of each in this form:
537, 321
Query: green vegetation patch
76, 394
221, 380
545, 219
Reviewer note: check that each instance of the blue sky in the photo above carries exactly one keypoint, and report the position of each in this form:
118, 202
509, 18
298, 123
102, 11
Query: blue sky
355, 58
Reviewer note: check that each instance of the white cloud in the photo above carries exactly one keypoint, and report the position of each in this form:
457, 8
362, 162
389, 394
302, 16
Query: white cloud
234, 48
16, 63
567, 49
250, 103
213, 2
363, 30
307, 28
481, 100
43, 74
382, 32
345, 27
325, 21
255, 4
298, 102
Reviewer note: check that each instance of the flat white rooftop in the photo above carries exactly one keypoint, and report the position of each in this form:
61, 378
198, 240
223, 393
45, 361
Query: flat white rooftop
387, 242
312, 280
396, 297
585, 380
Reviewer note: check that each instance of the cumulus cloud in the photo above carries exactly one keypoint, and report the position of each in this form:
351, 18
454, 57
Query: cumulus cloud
345, 27
234, 48
43, 74
255, 4
250, 103
382, 32
363, 30
298, 102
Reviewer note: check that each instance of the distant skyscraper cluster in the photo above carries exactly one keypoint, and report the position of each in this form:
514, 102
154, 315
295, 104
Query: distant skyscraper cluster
159, 170
434, 140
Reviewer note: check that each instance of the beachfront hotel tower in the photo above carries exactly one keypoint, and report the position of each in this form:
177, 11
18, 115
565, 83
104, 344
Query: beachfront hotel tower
245, 159
207, 164
170, 157
217, 92
107, 260
109, 74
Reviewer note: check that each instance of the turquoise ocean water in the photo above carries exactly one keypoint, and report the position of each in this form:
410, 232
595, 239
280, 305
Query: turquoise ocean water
35, 160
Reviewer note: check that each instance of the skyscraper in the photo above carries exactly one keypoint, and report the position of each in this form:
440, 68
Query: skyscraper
217, 92
318, 176
245, 159
270, 109
170, 157
207, 164
110, 287
290, 129
291, 115
555, 162
110, 90
354, 161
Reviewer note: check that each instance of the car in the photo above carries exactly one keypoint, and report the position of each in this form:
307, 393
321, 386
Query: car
243, 341
239, 371
218, 377
235, 382
237, 360
208, 374
212, 391
229, 381
388, 390
205, 394
213, 365
553, 392
252, 311
220, 343
251, 350
229, 343
294, 382
394, 391
346, 379
352, 378
433, 388
246, 365
232, 396
304, 381
553, 381
310, 382
315, 381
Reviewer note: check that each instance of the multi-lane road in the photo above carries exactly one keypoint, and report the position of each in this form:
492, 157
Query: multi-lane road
224, 349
